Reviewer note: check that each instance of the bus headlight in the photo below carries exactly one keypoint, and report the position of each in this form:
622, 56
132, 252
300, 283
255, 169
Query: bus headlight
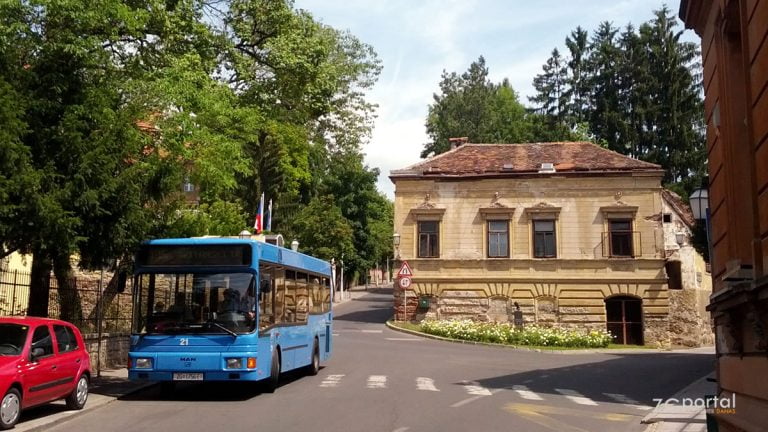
143, 363
234, 363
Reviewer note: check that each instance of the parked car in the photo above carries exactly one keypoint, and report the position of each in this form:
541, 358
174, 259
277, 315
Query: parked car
41, 360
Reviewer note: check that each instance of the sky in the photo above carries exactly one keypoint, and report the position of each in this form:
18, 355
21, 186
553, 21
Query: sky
417, 39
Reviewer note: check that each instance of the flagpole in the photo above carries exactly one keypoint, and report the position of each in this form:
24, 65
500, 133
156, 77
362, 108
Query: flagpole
261, 213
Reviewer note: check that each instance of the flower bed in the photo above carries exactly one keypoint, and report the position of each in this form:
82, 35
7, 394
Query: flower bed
505, 333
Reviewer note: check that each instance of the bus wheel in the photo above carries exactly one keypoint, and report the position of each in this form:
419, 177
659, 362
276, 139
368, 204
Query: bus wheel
314, 365
274, 376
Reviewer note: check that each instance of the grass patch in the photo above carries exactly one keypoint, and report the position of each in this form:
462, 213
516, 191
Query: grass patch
407, 325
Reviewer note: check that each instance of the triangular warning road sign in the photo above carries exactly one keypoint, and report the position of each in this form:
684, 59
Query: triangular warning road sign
405, 270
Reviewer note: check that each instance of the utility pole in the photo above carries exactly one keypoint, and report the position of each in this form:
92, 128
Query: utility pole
333, 280
342, 276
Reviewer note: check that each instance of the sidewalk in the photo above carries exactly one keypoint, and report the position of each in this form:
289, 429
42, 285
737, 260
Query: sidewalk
112, 385
674, 417
357, 291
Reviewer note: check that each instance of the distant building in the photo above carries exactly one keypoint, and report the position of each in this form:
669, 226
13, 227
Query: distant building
572, 232
734, 49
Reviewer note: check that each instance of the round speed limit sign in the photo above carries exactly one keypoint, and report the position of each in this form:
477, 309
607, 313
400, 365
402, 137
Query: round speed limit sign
405, 283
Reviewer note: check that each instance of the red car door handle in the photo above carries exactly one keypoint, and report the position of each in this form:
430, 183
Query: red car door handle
77, 361
53, 367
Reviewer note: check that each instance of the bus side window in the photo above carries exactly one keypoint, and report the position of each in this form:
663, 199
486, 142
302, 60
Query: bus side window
290, 297
326, 295
278, 288
266, 296
315, 296
302, 297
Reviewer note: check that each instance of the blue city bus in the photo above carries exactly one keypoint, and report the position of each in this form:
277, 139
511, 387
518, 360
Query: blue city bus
227, 309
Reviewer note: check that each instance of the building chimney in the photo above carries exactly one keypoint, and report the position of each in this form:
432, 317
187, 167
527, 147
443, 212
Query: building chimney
455, 142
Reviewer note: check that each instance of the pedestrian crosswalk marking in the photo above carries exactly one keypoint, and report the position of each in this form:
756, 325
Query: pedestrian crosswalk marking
427, 384
377, 381
576, 397
371, 331
526, 393
474, 388
627, 401
331, 381
477, 391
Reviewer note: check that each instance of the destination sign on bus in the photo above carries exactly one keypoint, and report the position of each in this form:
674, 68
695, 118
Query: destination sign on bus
194, 255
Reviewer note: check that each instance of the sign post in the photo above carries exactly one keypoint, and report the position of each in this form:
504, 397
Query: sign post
404, 280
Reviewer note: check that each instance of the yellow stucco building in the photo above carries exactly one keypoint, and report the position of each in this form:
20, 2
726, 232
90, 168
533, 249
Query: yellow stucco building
570, 233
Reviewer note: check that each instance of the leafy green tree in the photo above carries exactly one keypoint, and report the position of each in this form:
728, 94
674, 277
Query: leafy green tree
368, 212
102, 180
471, 105
323, 230
308, 79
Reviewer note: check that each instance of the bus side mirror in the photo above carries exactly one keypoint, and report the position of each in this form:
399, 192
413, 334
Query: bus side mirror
122, 279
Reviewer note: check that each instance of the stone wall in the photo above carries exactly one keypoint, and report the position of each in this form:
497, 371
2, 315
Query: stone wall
689, 321
114, 349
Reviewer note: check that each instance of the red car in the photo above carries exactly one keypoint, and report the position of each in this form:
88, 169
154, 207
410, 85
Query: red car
41, 360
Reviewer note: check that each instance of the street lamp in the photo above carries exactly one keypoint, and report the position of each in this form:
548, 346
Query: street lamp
244, 234
396, 244
295, 245
700, 204
700, 209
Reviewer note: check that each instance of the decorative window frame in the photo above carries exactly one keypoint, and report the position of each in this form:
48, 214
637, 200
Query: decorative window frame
544, 211
621, 211
427, 212
497, 212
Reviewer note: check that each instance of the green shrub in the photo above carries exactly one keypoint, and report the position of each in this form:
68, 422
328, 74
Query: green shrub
504, 333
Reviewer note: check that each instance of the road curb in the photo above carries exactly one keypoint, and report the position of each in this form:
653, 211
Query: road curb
523, 348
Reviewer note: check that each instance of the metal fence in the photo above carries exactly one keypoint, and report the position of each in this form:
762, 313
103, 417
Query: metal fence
89, 302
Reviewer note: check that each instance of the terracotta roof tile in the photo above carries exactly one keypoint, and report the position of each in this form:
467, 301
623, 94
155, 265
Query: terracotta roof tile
500, 159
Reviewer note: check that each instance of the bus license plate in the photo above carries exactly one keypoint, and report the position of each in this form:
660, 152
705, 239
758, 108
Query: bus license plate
187, 377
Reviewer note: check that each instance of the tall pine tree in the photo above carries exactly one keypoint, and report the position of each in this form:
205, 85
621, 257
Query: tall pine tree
673, 125
605, 116
550, 85
577, 89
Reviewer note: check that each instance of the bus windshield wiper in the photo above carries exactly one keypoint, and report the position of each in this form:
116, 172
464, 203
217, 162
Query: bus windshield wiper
221, 327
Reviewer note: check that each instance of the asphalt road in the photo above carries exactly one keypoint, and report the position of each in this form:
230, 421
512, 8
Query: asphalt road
382, 380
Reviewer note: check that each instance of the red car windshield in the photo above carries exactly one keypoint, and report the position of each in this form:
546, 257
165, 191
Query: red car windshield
12, 337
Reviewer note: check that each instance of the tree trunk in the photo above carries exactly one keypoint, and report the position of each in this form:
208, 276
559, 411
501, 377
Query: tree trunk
69, 297
39, 284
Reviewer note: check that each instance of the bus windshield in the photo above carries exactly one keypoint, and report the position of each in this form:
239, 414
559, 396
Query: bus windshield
173, 303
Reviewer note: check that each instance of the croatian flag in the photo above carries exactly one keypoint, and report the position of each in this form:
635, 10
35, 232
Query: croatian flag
269, 216
258, 223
